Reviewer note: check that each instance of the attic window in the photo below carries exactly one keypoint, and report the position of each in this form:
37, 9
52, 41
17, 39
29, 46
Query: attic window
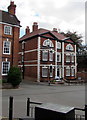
48, 43
7, 30
69, 47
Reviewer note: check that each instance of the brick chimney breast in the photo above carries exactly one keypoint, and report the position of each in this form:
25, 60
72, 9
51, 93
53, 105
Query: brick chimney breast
55, 30
12, 8
27, 30
35, 26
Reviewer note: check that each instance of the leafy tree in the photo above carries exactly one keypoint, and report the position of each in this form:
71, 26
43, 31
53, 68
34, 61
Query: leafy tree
75, 37
14, 76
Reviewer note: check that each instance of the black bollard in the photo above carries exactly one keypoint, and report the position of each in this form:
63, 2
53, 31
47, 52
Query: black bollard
10, 108
28, 106
85, 112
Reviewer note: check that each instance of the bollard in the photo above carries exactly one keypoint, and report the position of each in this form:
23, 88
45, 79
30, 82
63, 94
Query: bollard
28, 106
85, 112
10, 108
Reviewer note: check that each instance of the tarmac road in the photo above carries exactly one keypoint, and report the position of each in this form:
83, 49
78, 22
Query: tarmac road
73, 95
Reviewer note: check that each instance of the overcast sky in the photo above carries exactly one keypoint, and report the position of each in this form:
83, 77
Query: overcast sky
61, 14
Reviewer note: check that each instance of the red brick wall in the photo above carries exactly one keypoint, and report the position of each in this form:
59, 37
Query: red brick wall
14, 39
0, 50
16, 31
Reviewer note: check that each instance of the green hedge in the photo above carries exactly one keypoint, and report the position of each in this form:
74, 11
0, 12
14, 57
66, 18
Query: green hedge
14, 76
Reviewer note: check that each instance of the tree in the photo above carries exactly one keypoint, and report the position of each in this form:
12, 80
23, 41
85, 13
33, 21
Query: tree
75, 37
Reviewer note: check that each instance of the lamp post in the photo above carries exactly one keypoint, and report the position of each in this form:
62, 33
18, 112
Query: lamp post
23, 51
50, 67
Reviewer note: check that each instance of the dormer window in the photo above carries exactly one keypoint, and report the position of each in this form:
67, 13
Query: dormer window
7, 30
48, 43
69, 47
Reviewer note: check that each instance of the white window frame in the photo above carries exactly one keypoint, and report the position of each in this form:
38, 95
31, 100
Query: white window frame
44, 57
67, 71
69, 47
3, 67
50, 55
43, 74
48, 43
58, 45
58, 54
9, 48
7, 30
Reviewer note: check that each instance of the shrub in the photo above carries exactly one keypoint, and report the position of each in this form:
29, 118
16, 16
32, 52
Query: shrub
14, 76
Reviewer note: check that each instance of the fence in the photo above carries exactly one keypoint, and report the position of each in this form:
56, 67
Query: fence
80, 114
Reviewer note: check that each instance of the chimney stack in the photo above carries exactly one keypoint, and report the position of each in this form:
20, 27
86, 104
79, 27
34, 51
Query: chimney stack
55, 30
35, 26
12, 8
27, 30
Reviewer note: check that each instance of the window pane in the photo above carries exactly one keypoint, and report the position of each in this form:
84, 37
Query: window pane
6, 47
67, 58
5, 67
72, 71
50, 56
67, 72
58, 45
73, 58
44, 72
8, 30
48, 43
45, 55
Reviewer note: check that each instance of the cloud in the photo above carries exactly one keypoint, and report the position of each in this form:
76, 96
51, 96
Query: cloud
62, 14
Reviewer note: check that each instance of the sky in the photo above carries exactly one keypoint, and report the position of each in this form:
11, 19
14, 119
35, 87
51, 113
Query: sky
65, 15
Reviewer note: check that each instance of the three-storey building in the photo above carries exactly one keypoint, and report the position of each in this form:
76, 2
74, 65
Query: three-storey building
46, 54
9, 39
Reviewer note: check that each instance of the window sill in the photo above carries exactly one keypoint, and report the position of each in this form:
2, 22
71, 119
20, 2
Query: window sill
4, 74
6, 54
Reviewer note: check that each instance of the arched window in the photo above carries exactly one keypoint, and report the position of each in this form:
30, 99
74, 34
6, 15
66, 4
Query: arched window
48, 43
58, 45
69, 47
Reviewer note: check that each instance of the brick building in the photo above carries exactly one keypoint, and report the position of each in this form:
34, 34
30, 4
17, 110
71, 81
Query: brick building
9, 39
46, 54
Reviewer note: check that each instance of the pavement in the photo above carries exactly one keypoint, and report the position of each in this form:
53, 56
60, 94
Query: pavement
67, 95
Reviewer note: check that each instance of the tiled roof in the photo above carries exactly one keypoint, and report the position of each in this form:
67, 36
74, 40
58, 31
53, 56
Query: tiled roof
42, 31
6, 17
